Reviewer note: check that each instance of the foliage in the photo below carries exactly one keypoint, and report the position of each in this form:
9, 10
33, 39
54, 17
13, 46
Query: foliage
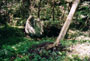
13, 43
16, 47
82, 16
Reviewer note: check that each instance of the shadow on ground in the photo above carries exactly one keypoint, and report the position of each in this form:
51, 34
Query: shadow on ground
10, 35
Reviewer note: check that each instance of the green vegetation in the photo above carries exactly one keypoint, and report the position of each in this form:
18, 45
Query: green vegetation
16, 45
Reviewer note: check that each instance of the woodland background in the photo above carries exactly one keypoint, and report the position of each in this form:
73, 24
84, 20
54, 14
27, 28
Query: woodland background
16, 46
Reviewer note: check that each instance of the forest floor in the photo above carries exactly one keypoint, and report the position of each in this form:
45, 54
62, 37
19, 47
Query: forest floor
14, 46
82, 46
80, 49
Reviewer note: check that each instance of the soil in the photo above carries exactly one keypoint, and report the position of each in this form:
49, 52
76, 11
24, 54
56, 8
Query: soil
82, 50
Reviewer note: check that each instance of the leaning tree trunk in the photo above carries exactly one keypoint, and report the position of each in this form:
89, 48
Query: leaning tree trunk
66, 24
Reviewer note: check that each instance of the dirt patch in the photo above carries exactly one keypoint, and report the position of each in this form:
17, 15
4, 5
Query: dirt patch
79, 38
82, 50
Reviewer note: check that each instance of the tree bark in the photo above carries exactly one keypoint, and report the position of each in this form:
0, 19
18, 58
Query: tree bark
66, 24
53, 10
28, 27
39, 5
34, 27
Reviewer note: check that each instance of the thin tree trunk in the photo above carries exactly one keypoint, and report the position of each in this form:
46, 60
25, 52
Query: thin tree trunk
29, 6
66, 24
53, 9
39, 9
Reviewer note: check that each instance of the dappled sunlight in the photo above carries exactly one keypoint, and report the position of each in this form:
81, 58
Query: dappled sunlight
80, 49
44, 30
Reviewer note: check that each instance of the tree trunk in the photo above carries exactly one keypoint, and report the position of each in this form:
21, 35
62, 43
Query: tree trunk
53, 10
29, 6
34, 27
66, 24
39, 9
28, 27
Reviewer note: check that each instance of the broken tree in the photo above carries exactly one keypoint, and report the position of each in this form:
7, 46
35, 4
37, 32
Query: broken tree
34, 27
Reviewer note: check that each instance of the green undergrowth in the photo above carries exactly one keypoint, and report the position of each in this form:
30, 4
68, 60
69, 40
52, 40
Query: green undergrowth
18, 51
14, 46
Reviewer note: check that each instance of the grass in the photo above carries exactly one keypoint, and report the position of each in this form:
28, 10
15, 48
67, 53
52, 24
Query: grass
14, 47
